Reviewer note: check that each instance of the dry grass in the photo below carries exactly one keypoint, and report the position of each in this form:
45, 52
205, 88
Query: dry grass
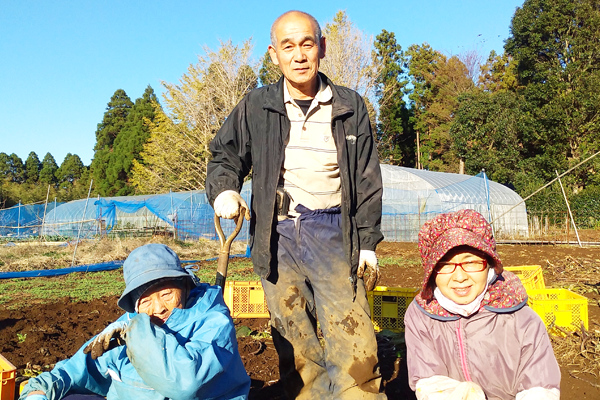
35, 255
580, 275
580, 352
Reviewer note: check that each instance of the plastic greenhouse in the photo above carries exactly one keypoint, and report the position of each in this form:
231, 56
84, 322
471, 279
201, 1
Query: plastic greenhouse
186, 215
410, 197
23, 220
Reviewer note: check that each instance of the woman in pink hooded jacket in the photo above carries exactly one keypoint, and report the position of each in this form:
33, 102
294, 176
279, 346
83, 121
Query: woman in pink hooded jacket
469, 332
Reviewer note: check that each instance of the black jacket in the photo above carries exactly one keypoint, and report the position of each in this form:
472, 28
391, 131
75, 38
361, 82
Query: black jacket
254, 136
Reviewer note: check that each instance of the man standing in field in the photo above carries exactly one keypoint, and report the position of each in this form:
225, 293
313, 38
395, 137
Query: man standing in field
316, 212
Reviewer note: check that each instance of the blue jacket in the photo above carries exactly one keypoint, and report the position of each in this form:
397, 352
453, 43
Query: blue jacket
194, 355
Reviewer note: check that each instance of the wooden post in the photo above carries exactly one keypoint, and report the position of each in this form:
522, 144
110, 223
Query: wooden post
570, 213
418, 151
44, 217
82, 219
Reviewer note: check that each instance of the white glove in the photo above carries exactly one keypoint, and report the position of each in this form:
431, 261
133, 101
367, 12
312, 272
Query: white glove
467, 391
539, 393
367, 260
228, 204
112, 336
444, 388
37, 397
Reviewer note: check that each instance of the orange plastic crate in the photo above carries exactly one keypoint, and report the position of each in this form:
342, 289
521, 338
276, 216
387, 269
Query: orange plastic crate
8, 371
388, 306
559, 307
246, 299
530, 275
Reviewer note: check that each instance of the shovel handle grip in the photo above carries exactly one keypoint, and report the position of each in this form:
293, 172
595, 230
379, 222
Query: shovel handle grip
223, 260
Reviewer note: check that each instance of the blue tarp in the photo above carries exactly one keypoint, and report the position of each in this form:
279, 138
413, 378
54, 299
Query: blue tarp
23, 220
107, 266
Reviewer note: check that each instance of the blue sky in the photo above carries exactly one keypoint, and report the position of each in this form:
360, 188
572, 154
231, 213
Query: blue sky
63, 60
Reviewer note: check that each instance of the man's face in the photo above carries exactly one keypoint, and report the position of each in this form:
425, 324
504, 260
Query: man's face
160, 300
297, 51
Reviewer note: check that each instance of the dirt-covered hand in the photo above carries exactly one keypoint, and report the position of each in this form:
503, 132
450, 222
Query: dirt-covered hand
367, 262
112, 336
229, 203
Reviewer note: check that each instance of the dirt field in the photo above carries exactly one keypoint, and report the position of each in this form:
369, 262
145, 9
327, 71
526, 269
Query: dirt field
54, 332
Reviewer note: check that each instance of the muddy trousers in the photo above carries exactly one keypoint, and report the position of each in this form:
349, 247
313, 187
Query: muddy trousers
311, 283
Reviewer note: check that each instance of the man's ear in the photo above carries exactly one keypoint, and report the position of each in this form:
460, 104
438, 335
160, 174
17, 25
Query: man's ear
322, 47
273, 54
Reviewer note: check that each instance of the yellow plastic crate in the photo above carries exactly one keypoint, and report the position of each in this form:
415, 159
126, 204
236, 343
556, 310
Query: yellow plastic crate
246, 299
530, 275
559, 307
8, 371
388, 306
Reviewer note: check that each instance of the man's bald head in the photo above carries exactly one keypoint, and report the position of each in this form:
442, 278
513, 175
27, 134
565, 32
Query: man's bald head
317, 27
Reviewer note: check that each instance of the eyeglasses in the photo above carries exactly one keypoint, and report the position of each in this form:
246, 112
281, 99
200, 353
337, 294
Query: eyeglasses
468, 266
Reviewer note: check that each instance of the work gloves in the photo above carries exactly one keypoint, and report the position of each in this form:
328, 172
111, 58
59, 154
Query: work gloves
112, 336
440, 387
367, 262
228, 203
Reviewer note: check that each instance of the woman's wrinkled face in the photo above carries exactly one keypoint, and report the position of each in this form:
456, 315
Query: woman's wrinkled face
460, 286
160, 300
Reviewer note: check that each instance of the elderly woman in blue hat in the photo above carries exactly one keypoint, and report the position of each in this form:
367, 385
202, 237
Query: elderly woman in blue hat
175, 341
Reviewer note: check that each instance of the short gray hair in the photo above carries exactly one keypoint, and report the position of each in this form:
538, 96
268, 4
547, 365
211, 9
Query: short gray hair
317, 31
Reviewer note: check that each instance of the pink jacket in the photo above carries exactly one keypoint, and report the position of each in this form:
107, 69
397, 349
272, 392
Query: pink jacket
505, 351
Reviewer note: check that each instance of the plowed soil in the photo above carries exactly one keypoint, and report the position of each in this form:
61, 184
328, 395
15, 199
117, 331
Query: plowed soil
35, 337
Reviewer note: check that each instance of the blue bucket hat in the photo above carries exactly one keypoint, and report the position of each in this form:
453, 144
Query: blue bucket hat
144, 266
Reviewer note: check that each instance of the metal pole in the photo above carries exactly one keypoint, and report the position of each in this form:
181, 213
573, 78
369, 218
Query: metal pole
570, 213
44, 217
82, 219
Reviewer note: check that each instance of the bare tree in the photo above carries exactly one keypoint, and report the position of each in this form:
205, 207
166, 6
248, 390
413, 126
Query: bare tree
177, 152
473, 60
349, 57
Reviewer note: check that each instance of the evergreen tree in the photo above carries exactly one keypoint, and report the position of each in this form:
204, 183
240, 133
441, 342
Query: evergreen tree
17, 172
395, 136
112, 123
33, 167
79, 188
556, 47
127, 146
487, 134
70, 170
4, 167
48, 171
269, 73
437, 82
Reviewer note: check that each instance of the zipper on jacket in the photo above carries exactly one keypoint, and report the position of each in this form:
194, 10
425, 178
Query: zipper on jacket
461, 350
